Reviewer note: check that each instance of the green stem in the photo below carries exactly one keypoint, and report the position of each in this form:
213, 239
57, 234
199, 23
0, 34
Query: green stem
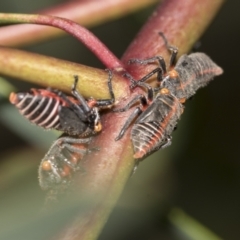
56, 73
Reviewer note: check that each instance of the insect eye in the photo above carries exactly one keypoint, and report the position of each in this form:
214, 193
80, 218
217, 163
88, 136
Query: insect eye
92, 117
184, 63
98, 127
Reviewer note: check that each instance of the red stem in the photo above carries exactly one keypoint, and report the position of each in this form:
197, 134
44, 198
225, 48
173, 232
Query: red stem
178, 21
84, 12
79, 32
86, 37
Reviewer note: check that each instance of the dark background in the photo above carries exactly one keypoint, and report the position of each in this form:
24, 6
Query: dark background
199, 173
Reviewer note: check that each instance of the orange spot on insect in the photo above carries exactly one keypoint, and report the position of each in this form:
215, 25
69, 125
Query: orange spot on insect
46, 166
164, 91
173, 73
92, 102
182, 100
98, 127
74, 160
139, 154
13, 98
66, 171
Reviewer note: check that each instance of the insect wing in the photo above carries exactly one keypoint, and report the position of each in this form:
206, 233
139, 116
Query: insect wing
153, 127
61, 161
70, 122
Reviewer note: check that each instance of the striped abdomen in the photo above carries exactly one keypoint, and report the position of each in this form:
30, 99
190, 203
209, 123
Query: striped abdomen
39, 106
155, 125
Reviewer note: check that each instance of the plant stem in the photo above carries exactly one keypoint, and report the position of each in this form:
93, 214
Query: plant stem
56, 73
87, 13
108, 171
182, 22
79, 32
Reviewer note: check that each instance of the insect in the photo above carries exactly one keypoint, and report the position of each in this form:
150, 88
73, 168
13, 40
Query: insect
157, 116
61, 161
78, 118
156, 120
52, 109
184, 78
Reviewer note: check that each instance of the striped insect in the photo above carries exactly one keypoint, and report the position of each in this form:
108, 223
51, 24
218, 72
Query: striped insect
57, 168
52, 109
156, 119
184, 78
157, 116
78, 118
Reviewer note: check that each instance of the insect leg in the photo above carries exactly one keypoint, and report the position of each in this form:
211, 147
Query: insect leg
172, 49
81, 109
133, 115
140, 98
145, 78
110, 101
160, 60
167, 143
80, 98
150, 91
67, 143
73, 140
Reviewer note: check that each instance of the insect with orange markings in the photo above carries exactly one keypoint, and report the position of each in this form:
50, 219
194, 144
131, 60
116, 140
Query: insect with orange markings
52, 109
61, 161
157, 116
78, 118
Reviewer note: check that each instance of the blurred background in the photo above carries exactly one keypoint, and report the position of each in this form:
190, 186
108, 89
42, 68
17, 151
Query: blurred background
199, 174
